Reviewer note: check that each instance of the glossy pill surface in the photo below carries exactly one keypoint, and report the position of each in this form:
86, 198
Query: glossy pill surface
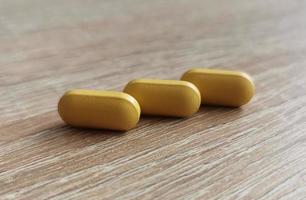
165, 97
99, 109
221, 87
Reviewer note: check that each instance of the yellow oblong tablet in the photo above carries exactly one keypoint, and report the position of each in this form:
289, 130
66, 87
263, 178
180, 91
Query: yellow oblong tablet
165, 97
99, 109
221, 87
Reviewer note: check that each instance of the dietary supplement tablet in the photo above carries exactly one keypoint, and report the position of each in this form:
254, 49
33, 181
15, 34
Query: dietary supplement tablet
99, 109
165, 97
221, 87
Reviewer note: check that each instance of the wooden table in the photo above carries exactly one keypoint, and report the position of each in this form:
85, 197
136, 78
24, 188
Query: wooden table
50, 46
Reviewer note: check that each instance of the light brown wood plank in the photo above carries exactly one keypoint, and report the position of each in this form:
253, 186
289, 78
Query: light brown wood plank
254, 152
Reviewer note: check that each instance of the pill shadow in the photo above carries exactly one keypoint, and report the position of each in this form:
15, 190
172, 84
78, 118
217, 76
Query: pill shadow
148, 119
204, 110
88, 136
153, 121
219, 114
223, 109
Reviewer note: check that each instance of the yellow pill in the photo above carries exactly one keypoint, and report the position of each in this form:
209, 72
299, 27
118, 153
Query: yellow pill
221, 87
99, 109
165, 97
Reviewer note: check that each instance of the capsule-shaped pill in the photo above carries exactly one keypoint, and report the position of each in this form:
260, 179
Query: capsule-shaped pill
221, 87
165, 97
99, 109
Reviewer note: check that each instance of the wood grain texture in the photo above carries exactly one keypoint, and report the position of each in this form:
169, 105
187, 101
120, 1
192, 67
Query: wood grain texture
50, 46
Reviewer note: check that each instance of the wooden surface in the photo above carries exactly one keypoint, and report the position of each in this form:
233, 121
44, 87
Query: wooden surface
50, 46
